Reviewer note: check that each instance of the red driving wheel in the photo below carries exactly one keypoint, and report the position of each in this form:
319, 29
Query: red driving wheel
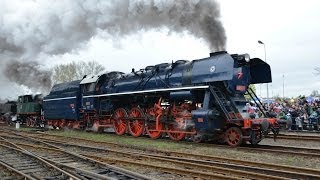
136, 122
119, 121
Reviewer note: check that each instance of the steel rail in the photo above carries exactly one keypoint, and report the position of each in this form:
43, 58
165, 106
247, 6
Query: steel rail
298, 137
32, 171
17, 174
168, 169
283, 167
194, 173
116, 171
76, 171
221, 159
300, 171
277, 170
197, 167
212, 164
283, 150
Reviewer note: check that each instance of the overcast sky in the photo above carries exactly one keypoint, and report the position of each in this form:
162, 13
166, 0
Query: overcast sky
289, 29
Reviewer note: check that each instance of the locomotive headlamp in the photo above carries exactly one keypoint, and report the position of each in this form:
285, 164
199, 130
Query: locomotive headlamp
246, 57
242, 59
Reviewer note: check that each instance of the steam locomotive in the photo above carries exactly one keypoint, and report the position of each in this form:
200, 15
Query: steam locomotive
200, 99
8, 112
27, 110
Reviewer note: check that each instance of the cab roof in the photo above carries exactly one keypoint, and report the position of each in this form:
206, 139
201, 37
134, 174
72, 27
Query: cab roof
90, 79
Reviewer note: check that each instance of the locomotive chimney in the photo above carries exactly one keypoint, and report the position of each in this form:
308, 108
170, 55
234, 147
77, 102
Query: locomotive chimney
216, 53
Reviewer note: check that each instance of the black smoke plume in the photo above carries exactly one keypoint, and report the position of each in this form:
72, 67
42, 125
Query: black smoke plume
29, 74
58, 27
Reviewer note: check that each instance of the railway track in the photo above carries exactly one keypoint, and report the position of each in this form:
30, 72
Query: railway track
282, 150
223, 166
129, 159
300, 132
299, 137
7, 172
24, 165
79, 166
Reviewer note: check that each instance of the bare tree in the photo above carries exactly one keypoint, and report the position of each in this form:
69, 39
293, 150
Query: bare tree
75, 71
317, 70
86, 68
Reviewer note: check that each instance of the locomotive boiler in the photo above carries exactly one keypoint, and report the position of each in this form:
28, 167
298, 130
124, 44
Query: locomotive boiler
200, 99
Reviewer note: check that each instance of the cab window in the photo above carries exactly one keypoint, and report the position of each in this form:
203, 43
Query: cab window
89, 87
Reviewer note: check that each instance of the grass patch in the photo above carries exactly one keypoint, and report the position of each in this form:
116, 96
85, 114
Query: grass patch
125, 140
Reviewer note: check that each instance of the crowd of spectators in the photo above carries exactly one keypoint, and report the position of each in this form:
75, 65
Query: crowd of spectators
299, 114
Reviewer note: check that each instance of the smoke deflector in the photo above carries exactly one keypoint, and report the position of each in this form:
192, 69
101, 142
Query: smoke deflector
260, 71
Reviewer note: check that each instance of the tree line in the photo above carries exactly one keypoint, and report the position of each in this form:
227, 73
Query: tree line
75, 70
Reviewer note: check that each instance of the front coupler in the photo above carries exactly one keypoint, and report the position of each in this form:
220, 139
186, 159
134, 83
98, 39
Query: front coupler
260, 128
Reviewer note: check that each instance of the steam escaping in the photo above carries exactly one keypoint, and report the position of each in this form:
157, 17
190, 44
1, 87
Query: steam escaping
29, 74
43, 27
199, 18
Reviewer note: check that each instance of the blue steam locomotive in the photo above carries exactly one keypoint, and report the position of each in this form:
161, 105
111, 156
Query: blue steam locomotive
200, 99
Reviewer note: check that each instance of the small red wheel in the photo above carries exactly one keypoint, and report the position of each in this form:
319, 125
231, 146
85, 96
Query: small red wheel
152, 131
69, 124
28, 122
55, 124
136, 124
33, 123
119, 121
233, 136
76, 125
176, 136
62, 124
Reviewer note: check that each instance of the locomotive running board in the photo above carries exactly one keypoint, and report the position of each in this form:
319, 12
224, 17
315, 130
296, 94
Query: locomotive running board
56, 99
148, 91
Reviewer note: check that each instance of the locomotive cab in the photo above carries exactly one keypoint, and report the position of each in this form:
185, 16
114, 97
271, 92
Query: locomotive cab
91, 85
248, 71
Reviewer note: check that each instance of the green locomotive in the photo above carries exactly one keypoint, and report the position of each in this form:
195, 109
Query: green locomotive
29, 110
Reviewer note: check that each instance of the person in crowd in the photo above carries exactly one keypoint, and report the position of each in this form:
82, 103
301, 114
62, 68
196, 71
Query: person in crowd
296, 113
